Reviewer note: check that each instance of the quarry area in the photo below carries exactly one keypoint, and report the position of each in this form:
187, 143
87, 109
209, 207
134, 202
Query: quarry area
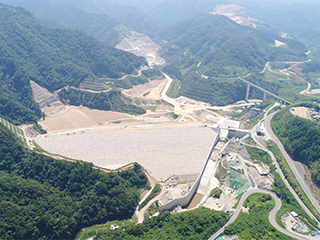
141, 45
235, 13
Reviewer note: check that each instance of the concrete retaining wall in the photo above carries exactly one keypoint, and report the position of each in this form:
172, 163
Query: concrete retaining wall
185, 200
237, 133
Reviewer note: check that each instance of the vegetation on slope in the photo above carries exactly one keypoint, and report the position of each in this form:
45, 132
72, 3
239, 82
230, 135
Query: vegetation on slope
109, 101
259, 154
288, 200
153, 73
155, 192
43, 198
212, 90
279, 187
223, 47
52, 58
200, 223
66, 15
301, 139
206, 52
128, 82
255, 224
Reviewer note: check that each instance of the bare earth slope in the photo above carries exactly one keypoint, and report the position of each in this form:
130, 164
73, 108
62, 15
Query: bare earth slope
141, 45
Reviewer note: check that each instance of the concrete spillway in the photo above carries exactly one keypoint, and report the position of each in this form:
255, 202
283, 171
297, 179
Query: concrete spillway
203, 185
207, 174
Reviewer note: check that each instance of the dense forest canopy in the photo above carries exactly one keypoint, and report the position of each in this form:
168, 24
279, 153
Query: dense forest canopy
206, 52
301, 138
130, 16
196, 224
199, 44
108, 101
53, 58
216, 40
44, 198
65, 15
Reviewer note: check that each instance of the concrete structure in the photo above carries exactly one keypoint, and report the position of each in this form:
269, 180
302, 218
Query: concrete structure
262, 169
258, 129
185, 200
249, 84
202, 186
232, 133
229, 128
294, 214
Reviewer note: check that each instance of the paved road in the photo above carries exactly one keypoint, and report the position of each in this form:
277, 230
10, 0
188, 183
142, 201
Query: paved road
115, 79
164, 95
140, 214
292, 166
272, 214
269, 133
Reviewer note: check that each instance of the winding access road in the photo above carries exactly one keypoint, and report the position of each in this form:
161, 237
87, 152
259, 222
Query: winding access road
275, 162
289, 160
272, 214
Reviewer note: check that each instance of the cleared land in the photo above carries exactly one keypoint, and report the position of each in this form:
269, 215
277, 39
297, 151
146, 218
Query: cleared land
82, 117
141, 45
235, 13
300, 112
163, 151
278, 43
152, 89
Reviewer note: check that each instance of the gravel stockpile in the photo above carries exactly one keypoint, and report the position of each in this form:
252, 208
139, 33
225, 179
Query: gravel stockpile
164, 151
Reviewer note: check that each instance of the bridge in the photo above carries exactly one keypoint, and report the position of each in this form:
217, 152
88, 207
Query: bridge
249, 84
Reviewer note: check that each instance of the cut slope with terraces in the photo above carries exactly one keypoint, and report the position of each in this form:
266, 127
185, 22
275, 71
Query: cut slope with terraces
93, 84
44, 97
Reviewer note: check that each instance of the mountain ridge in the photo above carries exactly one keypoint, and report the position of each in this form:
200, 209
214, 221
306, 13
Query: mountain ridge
52, 58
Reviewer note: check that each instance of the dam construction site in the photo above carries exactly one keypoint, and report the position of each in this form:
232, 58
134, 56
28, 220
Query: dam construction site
194, 151
208, 181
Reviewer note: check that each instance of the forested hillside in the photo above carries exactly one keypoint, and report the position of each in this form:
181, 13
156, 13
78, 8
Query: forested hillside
301, 139
108, 101
220, 44
98, 25
53, 58
127, 14
44, 198
200, 223
206, 51
215, 91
